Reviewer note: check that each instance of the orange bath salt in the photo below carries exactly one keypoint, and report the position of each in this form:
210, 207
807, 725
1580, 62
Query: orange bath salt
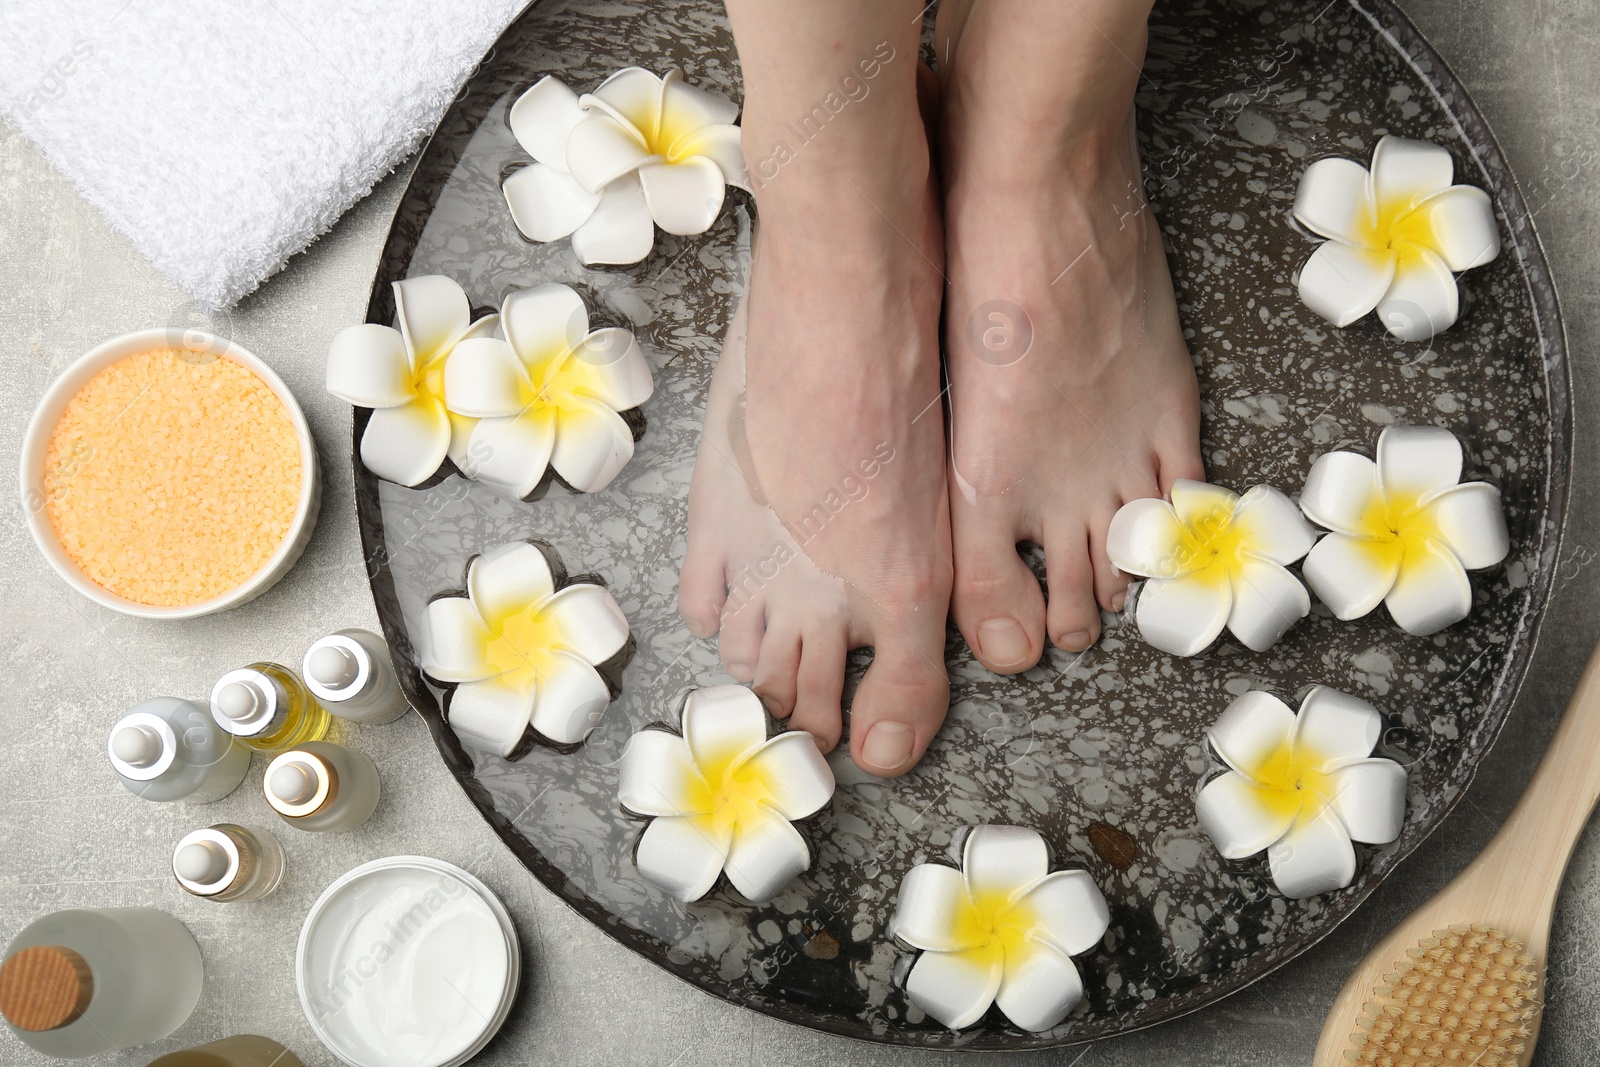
172, 477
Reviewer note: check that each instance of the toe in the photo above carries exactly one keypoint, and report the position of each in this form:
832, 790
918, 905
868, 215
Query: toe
1181, 460
1110, 584
701, 590
742, 627
997, 602
1072, 617
777, 668
900, 703
819, 684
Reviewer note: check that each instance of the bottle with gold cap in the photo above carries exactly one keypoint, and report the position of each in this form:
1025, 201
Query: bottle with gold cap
168, 749
349, 672
228, 863
267, 707
322, 787
88, 980
244, 1050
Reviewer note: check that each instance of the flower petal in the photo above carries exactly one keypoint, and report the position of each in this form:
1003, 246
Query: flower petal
1069, 911
956, 988
688, 107
799, 780
609, 366
592, 625
1417, 462
1184, 615
928, 912
765, 856
635, 94
461, 429
1369, 797
1351, 575
601, 150
432, 312
1038, 986
1272, 526
1267, 600
1405, 171
1201, 506
1422, 300
1003, 861
367, 367
1461, 222
620, 231
544, 322
513, 452
1342, 283
572, 697
1145, 539
542, 119
1431, 591
483, 379
1334, 728
406, 445
657, 776
723, 722
547, 204
723, 145
1472, 522
684, 198
457, 638
1341, 491
490, 715
683, 854
1250, 729
509, 579
1313, 857
592, 446
1334, 199
1236, 818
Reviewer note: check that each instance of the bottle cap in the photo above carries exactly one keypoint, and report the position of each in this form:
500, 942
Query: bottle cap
45, 987
142, 746
207, 862
337, 668
245, 702
300, 783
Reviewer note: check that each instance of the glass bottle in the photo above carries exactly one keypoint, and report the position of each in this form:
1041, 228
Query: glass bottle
350, 673
245, 1050
88, 980
228, 863
322, 787
168, 749
267, 707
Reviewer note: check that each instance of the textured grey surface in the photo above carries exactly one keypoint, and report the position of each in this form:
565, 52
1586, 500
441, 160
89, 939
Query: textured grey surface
70, 836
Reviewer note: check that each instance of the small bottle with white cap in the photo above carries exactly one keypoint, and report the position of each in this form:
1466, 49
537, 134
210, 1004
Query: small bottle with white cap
267, 707
168, 749
228, 863
322, 787
350, 673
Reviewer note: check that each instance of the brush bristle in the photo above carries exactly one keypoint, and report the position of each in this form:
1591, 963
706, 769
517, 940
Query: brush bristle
1463, 996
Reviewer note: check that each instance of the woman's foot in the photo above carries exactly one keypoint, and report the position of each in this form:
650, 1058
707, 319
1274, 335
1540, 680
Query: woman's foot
818, 519
1071, 388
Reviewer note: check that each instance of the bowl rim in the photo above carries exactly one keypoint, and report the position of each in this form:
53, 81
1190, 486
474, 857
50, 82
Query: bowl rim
66, 385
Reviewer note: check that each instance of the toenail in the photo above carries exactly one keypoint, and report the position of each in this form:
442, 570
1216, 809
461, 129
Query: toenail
1076, 641
739, 670
1002, 642
1117, 600
887, 745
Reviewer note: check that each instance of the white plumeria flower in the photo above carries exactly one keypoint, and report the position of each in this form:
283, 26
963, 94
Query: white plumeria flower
1404, 532
1303, 787
640, 151
520, 652
1213, 559
1395, 235
1000, 930
399, 373
546, 392
723, 797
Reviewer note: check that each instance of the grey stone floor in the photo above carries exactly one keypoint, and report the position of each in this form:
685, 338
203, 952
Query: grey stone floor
71, 836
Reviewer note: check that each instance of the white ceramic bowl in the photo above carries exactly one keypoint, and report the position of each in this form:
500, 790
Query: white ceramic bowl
36, 446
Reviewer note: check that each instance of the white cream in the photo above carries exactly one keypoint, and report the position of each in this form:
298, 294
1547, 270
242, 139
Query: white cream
403, 964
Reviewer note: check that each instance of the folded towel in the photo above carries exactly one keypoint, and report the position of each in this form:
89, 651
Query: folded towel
223, 136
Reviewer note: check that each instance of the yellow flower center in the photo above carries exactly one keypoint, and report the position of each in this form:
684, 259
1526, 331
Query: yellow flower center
990, 922
1395, 526
1398, 230
733, 792
1211, 547
1289, 781
521, 644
